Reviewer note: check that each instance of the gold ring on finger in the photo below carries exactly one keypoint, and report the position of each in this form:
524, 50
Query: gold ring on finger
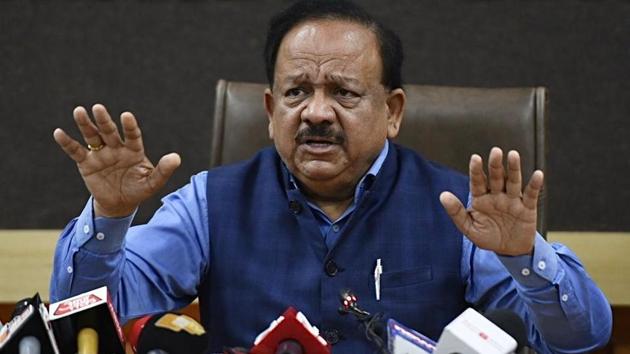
95, 147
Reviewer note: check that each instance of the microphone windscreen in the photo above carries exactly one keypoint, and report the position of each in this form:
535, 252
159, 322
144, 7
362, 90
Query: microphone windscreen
290, 346
30, 345
20, 306
172, 333
511, 324
87, 341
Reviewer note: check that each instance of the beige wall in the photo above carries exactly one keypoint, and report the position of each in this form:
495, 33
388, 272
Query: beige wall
26, 261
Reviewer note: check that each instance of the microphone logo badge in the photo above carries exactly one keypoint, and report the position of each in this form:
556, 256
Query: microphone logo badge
178, 323
76, 304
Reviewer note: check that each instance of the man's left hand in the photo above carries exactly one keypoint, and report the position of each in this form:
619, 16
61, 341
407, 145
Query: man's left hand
502, 217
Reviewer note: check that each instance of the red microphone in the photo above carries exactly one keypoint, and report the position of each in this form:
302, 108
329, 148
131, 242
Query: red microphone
291, 333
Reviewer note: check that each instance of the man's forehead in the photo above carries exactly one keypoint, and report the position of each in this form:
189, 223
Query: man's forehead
311, 76
334, 50
325, 37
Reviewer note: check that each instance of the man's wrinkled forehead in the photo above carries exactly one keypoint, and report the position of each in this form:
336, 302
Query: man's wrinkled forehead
311, 76
327, 49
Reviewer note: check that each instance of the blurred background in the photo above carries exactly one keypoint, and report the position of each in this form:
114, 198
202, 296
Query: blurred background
161, 60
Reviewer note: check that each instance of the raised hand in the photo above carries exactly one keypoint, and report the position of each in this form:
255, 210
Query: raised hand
117, 172
502, 217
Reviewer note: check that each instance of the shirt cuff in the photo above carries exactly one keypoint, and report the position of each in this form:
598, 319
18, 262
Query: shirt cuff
101, 234
533, 271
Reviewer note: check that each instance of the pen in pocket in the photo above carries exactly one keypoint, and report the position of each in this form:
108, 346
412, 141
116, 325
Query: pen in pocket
378, 270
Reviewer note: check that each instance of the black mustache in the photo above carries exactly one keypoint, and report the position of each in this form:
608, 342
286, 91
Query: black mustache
320, 131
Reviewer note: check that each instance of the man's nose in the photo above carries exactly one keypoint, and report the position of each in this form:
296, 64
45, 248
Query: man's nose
319, 109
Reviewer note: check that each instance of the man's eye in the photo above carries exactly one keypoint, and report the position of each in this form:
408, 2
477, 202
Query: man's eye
294, 92
345, 93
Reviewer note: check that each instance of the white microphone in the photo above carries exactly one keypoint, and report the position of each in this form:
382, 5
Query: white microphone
404, 340
470, 333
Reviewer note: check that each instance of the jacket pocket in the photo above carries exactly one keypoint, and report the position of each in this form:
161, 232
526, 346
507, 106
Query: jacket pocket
406, 277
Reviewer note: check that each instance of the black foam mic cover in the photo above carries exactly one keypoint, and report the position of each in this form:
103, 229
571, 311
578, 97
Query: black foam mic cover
172, 333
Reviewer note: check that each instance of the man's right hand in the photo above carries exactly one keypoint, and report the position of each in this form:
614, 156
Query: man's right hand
117, 172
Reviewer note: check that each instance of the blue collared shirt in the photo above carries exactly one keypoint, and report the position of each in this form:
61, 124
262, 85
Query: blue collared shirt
330, 228
551, 283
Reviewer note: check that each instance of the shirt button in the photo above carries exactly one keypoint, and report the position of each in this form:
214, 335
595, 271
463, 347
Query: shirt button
331, 268
69, 269
525, 272
295, 206
100, 236
542, 265
86, 228
565, 297
335, 228
331, 336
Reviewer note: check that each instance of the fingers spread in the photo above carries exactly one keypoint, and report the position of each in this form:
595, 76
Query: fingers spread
163, 171
513, 184
88, 130
106, 126
131, 131
496, 171
456, 211
532, 190
70, 146
478, 179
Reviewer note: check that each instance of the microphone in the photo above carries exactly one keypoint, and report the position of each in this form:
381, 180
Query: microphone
463, 335
374, 326
87, 324
30, 345
87, 341
167, 333
28, 331
290, 333
472, 333
289, 346
404, 340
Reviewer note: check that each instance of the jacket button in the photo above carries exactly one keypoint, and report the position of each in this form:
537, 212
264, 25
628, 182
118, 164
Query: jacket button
331, 268
295, 206
331, 336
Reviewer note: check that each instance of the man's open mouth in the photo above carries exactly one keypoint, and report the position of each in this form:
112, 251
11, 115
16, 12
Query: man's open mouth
318, 142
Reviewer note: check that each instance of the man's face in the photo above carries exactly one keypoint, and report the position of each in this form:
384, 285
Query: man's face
329, 114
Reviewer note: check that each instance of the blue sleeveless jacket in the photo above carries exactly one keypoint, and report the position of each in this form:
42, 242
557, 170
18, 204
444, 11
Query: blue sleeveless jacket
267, 252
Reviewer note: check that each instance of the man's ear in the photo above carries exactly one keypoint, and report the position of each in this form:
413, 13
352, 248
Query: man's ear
395, 109
269, 104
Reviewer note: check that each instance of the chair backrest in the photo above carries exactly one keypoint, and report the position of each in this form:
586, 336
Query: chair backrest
444, 124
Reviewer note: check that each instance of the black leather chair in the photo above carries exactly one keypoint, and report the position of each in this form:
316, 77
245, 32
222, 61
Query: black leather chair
444, 124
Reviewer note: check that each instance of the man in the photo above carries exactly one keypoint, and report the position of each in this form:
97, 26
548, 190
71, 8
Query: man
299, 222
